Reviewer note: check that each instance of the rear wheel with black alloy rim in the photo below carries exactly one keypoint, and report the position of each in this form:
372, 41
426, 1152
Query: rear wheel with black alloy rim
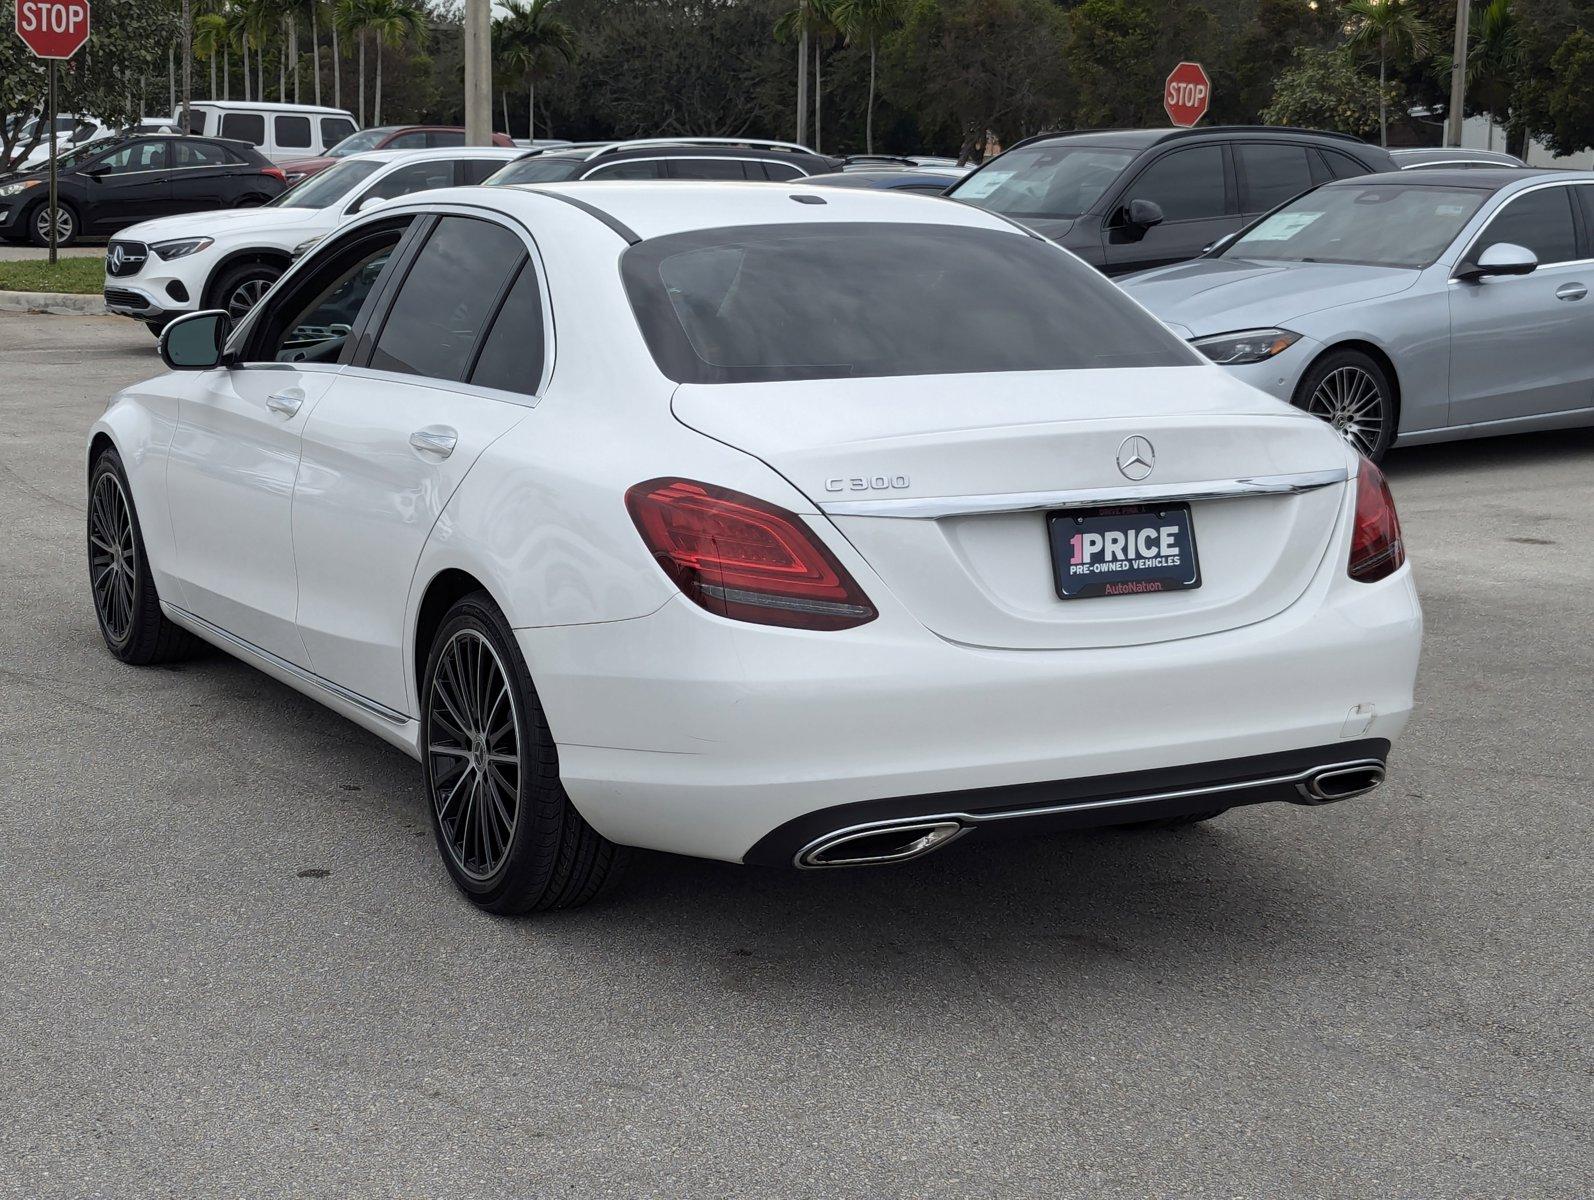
125, 600
1353, 393
507, 832
240, 288
62, 216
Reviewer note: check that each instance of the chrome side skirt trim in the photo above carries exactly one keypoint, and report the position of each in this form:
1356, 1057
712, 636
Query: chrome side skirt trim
936, 507
233, 642
1297, 779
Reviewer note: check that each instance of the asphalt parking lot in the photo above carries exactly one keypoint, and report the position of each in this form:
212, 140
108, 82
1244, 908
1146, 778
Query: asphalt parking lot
233, 963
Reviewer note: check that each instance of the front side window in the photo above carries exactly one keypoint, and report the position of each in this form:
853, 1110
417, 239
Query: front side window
437, 319
536, 170
1187, 184
413, 140
135, 156
1541, 221
707, 168
836, 300
1044, 181
356, 143
445, 137
780, 172
293, 133
312, 321
329, 186
416, 177
245, 127
1273, 174
1381, 225
625, 170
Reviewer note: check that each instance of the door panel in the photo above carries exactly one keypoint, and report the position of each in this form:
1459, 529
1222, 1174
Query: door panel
130, 185
365, 503
230, 482
203, 178
1519, 344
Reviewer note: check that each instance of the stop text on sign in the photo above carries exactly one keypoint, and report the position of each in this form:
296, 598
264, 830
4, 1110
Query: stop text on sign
53, 28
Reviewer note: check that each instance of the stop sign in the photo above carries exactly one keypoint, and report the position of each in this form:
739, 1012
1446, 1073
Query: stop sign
1186, 94
53, 28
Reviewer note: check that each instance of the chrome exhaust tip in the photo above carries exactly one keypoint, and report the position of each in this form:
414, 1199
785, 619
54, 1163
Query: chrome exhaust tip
1340, 783
873, 847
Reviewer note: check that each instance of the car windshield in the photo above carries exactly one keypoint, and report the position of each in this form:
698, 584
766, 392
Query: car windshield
81, 155
328, 187
358, 143
833, 300
1044, 181
1380, 225
536, 170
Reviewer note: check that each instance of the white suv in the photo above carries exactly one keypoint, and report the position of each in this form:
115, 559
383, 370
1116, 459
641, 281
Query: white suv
160, 269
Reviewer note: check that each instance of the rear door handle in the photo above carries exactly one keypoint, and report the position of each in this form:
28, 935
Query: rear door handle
287, 403
1571, 291
435, 439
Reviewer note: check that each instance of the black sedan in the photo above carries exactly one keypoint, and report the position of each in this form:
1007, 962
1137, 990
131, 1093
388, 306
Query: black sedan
109, 184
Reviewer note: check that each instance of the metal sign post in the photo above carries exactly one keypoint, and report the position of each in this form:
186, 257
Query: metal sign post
50, 112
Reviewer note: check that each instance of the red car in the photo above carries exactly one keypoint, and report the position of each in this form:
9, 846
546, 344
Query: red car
384, 137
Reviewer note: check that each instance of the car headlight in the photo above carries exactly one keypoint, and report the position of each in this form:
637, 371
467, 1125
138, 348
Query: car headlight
304, 247
182, 247
11, 189
1247, 346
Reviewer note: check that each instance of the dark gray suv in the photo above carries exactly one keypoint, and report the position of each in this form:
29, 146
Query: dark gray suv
1129, 199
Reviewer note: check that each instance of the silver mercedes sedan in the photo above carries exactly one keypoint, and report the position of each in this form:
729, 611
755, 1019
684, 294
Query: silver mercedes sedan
1405, 308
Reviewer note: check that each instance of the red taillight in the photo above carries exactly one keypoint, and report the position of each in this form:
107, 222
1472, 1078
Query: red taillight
743, 558
1376, 549
276, 173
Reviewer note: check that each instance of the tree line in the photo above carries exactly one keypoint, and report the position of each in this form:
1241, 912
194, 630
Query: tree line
850, 75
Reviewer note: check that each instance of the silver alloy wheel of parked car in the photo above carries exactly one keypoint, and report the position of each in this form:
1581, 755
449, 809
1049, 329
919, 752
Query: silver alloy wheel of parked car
113, 556
474, 754
1351, 400
65, 225
245, 296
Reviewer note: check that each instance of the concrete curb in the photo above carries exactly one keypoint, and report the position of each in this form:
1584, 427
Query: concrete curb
57, 303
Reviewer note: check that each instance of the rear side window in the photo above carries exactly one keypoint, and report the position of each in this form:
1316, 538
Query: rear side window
245, 127
538, 170
625, 170
780, 172
512, 356
334, 130
1343, 165
292, 133
834, 300
446, 137
1541, 221
1188, 184
441, 310
200, 154
1585, 194
416, 177
707, 168
1273, 174
415, 139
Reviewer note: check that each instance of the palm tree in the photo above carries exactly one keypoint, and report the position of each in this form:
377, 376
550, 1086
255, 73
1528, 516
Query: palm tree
211, 41
1494, 64
393, 23
528, 36
354, 16
870, 20
802, 22
1399, 34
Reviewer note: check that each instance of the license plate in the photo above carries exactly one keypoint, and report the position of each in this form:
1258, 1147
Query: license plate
1124, 550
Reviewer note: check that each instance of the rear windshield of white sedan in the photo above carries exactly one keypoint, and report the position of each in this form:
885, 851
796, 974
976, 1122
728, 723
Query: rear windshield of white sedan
841, 300
1380, 225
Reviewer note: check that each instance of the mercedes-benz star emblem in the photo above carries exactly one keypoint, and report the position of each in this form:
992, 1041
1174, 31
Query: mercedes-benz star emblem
1136, 458
116, 258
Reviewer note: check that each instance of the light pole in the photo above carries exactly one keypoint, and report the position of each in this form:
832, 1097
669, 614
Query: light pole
478, 73
1457, 115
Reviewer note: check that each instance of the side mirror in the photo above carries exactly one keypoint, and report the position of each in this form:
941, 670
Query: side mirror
97, 173
1143, 214
367, 202
194, 342
1502, 258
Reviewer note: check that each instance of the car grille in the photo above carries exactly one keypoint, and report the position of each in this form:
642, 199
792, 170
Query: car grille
122, 298
125, 258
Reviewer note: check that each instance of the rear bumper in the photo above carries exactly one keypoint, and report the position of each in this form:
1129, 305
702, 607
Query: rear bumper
686, 733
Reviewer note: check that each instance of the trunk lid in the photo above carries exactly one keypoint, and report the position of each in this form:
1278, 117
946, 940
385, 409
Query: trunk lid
992, 448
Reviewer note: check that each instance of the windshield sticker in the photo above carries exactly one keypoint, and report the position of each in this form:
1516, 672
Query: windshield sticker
1452, 210
984, 184
1282, 226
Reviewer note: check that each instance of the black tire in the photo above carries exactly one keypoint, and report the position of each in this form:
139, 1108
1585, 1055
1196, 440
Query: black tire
542, 855
1178, 822
126, 604
239, 288
156, 328
39, 226
1352, 392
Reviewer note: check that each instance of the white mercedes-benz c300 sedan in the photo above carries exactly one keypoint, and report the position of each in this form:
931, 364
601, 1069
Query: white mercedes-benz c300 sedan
766, 523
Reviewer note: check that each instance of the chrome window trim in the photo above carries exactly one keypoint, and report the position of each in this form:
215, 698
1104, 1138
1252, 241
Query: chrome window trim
938, 507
